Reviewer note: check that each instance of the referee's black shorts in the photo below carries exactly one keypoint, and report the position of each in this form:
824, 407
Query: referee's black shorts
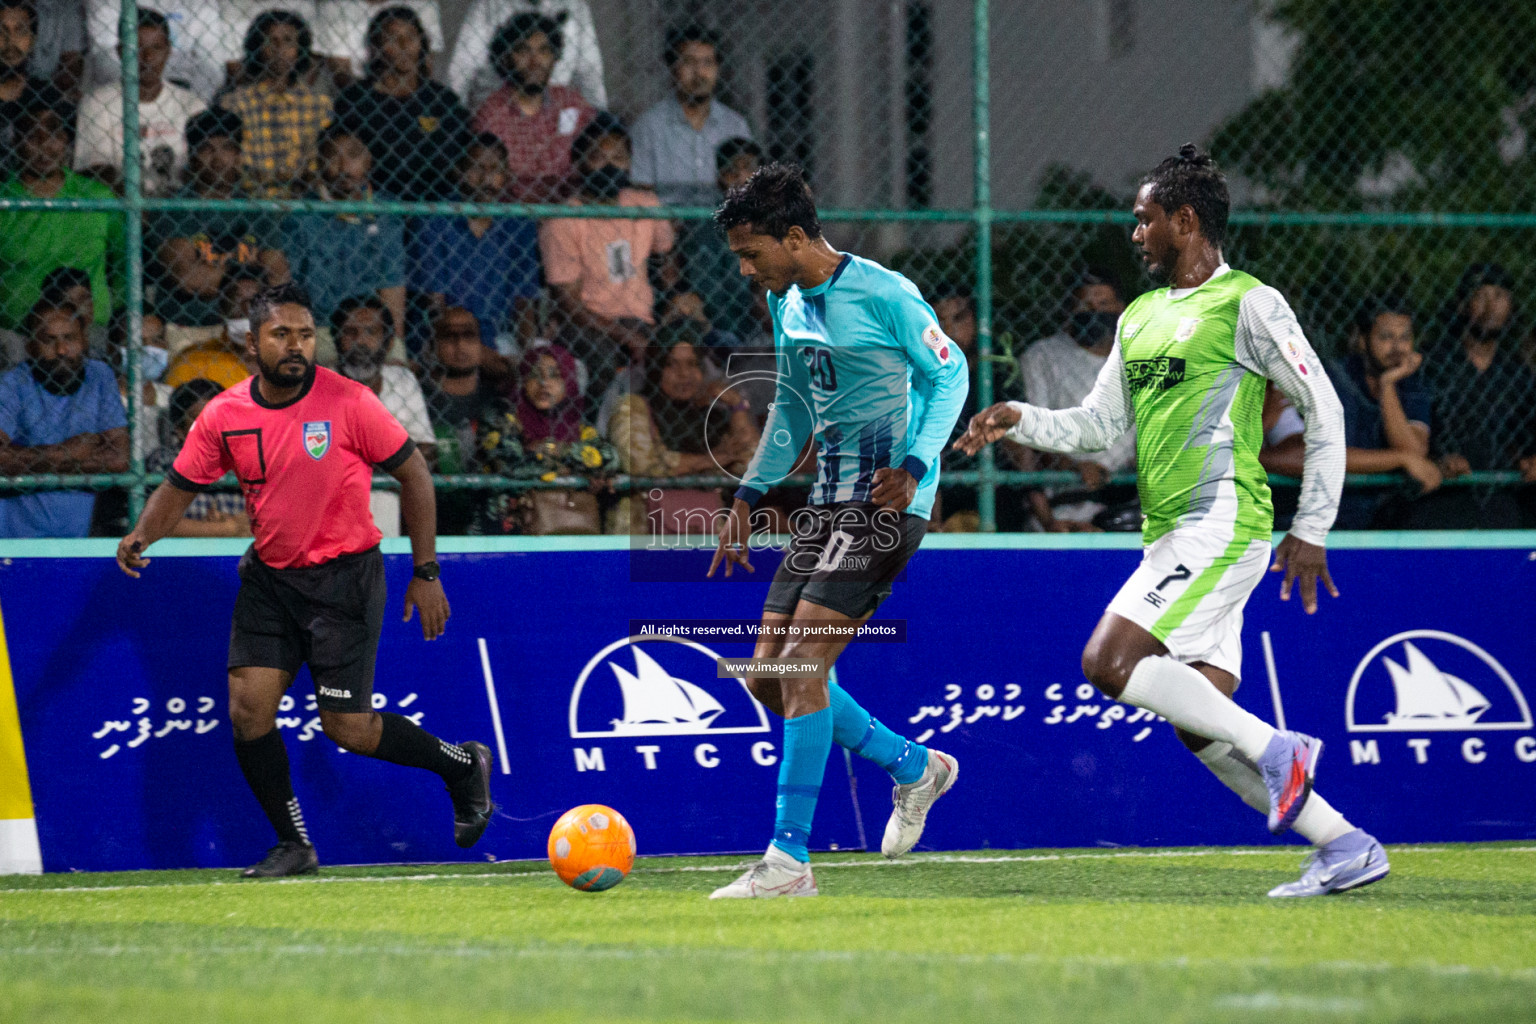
844, 557
329, 615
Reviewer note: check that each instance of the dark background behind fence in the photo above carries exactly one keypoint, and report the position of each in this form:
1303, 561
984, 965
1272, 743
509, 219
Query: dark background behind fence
989, 150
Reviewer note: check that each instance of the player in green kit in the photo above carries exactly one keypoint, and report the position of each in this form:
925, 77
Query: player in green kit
865, 369
1188, 370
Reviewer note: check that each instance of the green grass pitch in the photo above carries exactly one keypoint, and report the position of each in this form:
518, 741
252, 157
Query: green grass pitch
1096, 936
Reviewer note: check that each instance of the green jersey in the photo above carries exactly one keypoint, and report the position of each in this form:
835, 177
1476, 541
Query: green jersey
1189, 369
1198, 412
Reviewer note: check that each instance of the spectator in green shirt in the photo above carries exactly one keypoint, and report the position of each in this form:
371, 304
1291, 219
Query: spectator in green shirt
35, 242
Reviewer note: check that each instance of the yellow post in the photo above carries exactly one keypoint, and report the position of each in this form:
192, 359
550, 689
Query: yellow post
19, 850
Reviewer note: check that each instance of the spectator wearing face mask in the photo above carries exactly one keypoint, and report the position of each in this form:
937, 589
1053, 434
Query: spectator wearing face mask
1059, 371
153, 394
597, 266
223, 359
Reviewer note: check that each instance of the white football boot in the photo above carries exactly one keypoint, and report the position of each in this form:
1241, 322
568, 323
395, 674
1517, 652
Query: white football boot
1350, 861
912, 801
777, 874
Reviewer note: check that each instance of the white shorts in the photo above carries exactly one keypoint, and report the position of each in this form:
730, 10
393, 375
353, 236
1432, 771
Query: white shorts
1189, 592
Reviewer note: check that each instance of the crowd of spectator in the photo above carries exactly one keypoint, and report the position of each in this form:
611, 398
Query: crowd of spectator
1463, 402
576, 346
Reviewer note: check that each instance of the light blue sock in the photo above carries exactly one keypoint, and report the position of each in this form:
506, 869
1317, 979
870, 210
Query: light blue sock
807, 742
865, 735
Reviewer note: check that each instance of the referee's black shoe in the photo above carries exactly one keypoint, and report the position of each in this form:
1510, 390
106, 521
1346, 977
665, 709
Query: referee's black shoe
284, 859
472, 804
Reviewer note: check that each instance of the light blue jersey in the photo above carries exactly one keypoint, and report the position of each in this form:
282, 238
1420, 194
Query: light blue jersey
864, 367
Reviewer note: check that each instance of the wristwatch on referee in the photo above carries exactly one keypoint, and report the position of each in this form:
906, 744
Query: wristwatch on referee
428, 571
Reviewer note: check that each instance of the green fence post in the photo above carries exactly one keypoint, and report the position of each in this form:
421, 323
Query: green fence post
986, 491
133, 211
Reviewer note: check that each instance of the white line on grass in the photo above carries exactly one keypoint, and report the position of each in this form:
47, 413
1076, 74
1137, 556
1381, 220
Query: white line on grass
909, 862
1288, 1001
759, 956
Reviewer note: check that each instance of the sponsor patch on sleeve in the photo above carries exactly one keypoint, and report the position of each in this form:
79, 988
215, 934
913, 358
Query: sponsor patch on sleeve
937, 342
1292, 350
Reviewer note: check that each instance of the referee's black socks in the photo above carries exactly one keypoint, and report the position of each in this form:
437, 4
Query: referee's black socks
264, 762
402, 741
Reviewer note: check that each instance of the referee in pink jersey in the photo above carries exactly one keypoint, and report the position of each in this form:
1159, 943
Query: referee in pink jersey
303, 442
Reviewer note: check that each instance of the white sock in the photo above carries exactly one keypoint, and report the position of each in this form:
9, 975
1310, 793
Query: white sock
1319, 823
1238, 776
1188, 700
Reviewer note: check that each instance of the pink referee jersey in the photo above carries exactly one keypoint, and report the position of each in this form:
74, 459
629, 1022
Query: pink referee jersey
305, 466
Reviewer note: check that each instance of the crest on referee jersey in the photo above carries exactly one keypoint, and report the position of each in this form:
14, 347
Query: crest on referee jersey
1186, 328
317, 438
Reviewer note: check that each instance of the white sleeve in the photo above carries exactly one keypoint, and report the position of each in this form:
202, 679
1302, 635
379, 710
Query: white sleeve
101, 24
1270, 342
408, 404
1288, 425
586, 59
102, 64
471, 49
1097, 423
1032, 369
97, 144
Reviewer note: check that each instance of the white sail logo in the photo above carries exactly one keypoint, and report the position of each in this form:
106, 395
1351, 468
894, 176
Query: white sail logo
656, 702
1426, 698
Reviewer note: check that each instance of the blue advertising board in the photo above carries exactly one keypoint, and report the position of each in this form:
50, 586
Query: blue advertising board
1419, 678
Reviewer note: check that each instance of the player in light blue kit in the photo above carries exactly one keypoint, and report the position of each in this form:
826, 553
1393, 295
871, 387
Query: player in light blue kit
864, 368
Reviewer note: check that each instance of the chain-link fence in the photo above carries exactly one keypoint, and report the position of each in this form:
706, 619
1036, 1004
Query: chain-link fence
499, 210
